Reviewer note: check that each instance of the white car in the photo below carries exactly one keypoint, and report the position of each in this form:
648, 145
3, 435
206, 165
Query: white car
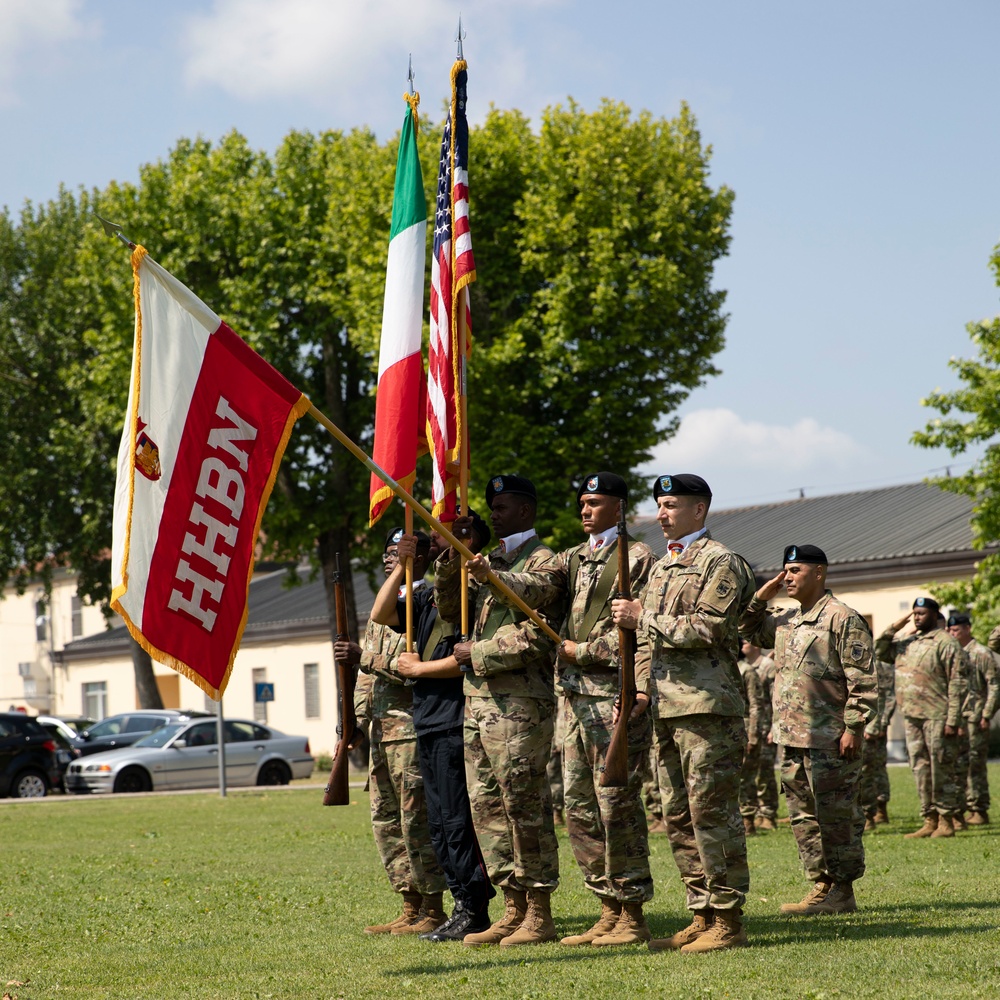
186, 755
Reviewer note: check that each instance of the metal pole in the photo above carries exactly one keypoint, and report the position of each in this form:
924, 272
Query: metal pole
221, 732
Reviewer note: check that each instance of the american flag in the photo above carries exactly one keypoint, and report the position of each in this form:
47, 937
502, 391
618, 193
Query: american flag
453, 269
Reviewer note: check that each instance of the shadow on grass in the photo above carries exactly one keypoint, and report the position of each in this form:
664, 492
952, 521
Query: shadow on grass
765, 931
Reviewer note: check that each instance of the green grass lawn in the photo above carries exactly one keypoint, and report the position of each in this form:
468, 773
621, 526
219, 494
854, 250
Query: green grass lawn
264, 894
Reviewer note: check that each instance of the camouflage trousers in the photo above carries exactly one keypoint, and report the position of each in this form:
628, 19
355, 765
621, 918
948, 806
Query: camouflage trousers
962, 763
554, 768
698, 762
399, 818
977, 789
874, 774
651, 799
932, 758
508, 742
767, 785
821, 789
606, 826
748, 781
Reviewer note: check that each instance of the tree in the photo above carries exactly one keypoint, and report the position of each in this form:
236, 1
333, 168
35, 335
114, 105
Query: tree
593, 314
970, 417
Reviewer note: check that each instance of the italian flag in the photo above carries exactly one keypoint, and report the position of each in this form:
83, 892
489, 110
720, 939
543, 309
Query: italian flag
206, 426
399, 399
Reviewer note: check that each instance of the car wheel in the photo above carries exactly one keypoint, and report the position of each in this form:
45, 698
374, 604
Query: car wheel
274, 773
133, 779
30, 784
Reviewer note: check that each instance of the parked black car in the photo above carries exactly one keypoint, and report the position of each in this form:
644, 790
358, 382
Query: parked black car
28, 765
124, 729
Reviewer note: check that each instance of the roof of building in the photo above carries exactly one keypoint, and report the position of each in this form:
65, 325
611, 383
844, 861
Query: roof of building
916, 530
913, 523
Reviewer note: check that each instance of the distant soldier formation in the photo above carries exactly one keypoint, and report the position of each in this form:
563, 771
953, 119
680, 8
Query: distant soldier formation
464, 729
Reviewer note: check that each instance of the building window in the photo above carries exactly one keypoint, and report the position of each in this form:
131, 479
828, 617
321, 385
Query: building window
259, 707
41, 621
95, 699
77, 613
311, 681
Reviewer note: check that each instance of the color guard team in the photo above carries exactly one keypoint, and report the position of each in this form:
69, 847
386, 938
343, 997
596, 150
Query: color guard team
461, 729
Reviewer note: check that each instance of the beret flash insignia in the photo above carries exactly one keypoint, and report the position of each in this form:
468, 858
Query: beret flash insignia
396, 536
665, 484
593, 483
498, 484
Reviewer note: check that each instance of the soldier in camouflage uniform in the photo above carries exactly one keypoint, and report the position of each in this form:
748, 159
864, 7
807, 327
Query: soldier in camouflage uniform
825, 693
874, 771
398, 806
767, 786
753, 694
509, 708
606, 826
981, 705
932, 680
686, 625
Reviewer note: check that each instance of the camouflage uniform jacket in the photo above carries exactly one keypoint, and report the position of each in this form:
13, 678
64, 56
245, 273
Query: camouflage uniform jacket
753, 692
932, 674
687, 632
510, 654
984, 683
994, 640
765, 671
885, 674
576, 576
825, 678
391, 700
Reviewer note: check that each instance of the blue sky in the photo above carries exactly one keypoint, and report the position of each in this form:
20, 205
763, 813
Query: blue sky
861, 138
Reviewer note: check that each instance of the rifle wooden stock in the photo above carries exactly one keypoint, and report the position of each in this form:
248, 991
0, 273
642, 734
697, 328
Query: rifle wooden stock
614, 774
337, 792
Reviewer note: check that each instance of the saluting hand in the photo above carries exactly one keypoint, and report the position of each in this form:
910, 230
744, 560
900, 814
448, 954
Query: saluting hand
771, 588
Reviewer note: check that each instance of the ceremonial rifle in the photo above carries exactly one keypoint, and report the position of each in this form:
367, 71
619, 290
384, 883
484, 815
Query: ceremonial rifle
336, 792
615, 771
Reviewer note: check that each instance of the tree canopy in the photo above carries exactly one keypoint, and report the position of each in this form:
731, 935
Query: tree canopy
970, 417
594, 315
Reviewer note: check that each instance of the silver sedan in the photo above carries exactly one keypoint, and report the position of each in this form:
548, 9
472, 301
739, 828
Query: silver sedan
186, 755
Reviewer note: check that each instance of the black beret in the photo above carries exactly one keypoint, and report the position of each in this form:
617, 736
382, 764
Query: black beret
959, 620
804, 554
395, 534
509, 484
480, 527
605, 484
423, 539
926, 602
683, 485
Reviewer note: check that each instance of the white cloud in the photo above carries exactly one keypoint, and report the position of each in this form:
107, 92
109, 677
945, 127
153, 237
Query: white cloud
28, 29
744, 460
325, 49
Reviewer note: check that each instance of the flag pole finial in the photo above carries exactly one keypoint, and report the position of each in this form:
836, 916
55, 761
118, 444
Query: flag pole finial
113, 229
409, 74
459, 37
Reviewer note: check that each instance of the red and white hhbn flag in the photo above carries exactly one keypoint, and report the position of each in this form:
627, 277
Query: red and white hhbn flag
207, 424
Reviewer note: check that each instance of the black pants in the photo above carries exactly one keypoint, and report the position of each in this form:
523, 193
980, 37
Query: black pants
442, 764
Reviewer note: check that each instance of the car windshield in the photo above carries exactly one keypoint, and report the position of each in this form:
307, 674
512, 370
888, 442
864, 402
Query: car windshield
162, 736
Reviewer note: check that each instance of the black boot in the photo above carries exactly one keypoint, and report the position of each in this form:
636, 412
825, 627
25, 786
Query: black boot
462, 921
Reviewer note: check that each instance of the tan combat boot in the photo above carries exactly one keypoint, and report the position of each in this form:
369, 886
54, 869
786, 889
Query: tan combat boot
930, 825
411, 911
515, 907
701, 923
840, 899
766, 823
748, 828
958, 822
810, 903
430, 917
537, 926
881, 814
869, 824
945, 827
630, 929
726, 932
980, 818
610, 912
